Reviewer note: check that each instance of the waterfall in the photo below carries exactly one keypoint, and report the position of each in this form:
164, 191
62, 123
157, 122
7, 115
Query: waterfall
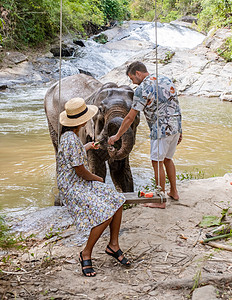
123, 43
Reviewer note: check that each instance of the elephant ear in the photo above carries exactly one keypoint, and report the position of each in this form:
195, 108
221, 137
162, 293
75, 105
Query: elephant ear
89, 130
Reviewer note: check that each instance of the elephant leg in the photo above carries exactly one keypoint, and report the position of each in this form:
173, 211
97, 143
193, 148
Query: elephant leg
53, 135
121, 175
97, 165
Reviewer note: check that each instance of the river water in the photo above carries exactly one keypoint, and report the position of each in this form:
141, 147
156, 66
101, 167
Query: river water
27, 171
27, 168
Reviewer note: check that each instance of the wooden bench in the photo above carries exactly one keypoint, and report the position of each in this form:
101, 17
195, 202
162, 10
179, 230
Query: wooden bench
132, 198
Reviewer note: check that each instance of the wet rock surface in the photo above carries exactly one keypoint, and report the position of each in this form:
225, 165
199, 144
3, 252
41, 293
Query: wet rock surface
198, 72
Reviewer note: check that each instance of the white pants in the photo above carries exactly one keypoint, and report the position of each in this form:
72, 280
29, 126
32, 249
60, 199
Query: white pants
167, 147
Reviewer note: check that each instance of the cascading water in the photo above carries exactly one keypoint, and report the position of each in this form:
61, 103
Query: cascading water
99, 59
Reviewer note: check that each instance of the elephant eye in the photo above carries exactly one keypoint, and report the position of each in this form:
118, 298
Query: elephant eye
100, 109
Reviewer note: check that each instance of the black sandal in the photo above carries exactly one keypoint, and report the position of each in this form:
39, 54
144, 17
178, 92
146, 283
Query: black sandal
117, 254
86, 263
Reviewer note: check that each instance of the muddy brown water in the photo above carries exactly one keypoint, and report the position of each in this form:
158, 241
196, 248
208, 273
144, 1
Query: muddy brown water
27, 171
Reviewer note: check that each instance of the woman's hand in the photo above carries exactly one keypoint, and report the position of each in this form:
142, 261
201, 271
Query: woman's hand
92, 145
81, 171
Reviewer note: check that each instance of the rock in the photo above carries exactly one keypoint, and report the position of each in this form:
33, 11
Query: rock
199, 71
216, 38
226, 96
65, 51
85, 72
146, 288
78, 42
189, 19
3, 87
15, 57
205, 293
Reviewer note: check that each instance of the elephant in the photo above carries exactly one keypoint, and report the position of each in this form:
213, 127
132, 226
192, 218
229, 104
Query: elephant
113, 102
79, 85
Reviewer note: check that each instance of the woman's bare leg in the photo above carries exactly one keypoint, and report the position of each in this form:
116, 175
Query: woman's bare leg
114, 232
94, 235
114, 229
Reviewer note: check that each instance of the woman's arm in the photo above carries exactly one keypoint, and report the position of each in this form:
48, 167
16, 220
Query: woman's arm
81, 171
91, 145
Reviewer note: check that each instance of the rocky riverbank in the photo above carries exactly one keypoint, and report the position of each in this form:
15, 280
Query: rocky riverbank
199, 71
168, 260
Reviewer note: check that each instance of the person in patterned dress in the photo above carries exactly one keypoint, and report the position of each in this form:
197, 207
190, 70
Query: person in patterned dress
168, 131
93, 204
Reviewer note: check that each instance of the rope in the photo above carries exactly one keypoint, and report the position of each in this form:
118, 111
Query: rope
58, 200
60, 62
157, 98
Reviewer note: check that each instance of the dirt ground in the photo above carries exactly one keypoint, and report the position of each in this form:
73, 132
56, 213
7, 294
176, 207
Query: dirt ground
168, 260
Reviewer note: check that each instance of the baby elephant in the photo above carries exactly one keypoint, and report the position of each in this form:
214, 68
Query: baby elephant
113, 102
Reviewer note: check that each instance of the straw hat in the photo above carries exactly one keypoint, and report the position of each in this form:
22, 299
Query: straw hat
77, 112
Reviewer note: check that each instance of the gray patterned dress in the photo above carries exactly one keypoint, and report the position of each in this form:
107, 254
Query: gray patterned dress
90, 203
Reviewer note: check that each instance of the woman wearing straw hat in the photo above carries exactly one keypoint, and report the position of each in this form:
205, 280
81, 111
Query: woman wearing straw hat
93, 204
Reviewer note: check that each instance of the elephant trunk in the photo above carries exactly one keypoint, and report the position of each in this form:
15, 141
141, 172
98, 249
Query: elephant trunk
124, 145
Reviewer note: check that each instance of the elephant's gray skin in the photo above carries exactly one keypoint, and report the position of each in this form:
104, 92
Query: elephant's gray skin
114, 103
79, 85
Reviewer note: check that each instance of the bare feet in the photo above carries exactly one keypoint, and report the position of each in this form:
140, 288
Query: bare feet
174, 196
155, 205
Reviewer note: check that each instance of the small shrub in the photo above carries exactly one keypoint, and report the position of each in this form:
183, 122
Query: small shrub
226, 50
7, 239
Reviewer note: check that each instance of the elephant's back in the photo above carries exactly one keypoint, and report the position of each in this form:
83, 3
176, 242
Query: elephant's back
78, 85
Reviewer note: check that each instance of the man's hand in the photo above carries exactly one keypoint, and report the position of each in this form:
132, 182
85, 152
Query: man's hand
128, 120
112, 139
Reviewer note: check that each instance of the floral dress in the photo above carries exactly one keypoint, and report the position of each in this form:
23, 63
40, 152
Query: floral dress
90, 203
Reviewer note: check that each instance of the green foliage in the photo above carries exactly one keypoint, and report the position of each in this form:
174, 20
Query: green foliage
142, 9
167, 58
31, 22
221, 10
114, 9
52, 233
195, 174
101, 38
208, 221
7, 239
226, 50
28, 22
168, 10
